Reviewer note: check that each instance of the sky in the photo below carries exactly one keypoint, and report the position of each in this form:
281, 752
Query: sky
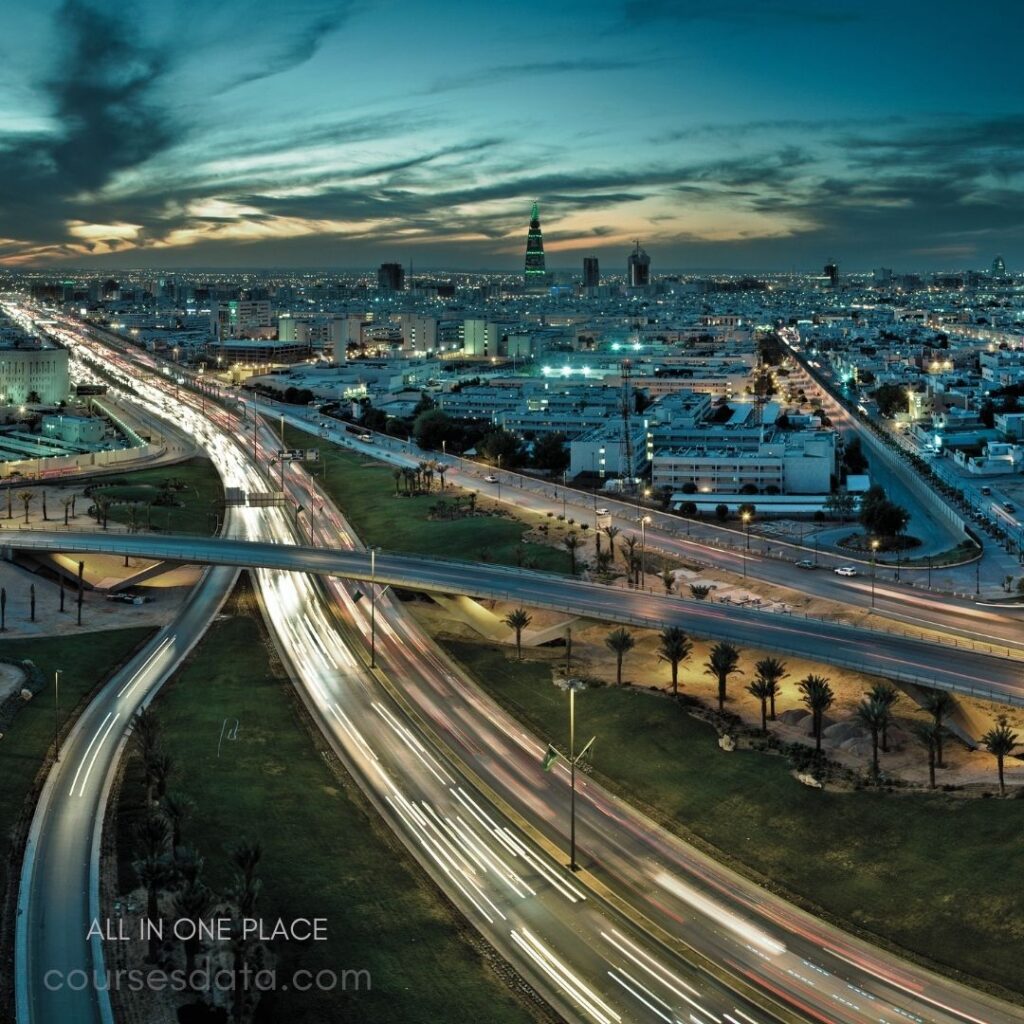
730, 135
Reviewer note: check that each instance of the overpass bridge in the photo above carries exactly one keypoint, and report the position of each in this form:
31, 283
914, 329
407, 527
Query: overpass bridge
950, 665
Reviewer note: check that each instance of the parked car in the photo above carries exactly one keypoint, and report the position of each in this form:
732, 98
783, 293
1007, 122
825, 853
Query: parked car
602, 511
986, 491
1009, 506
490, 478
806, 563
845, 570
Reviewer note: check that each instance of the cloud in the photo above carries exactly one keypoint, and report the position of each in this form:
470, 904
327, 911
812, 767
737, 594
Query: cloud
742, 12
502, 73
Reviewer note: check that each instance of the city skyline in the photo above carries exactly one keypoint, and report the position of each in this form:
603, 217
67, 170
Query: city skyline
726, 136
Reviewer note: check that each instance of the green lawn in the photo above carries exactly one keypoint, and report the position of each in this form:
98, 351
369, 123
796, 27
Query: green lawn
365, 491
939, 876
325, 852
200, 498
84, 661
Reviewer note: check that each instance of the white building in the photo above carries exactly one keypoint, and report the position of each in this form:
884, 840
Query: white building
241, 318
33, 370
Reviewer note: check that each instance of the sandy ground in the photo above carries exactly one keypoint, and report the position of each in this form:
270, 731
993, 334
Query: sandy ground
974, 770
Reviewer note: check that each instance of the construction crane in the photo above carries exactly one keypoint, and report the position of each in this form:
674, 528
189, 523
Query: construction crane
627, 434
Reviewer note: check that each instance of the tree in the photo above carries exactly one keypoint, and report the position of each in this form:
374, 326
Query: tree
192, 903
432, 428
891, 399
611, 532
145, 734
929, 735
397, 474
25, 497
818, 697
699, 591
762, 690
853, 456
629, 556
880, 516
503, 446
518, 619
551, 454
604, 561
721, 513
723, 661
153, 873
940, 704
746, 509
874, 714
572, 544
999, 742
177, 810
888, 695
840, 504
675, 648
620, 641
668, 580
771, 671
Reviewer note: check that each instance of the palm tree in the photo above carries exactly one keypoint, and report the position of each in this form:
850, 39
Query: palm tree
246, 858
668, 580
153, 874
940, 704
25, 497
145, 733
66, 502
572, 544
675, 648
397, 474
818, 697
152, 835
762, 689
887, 694
620, 641
611, 532
162, 767
518, 620
192, 903
604, 561
723, 661
177, 810
442, 472
630, 557
874, 714
929, 735
771, 671
999, 742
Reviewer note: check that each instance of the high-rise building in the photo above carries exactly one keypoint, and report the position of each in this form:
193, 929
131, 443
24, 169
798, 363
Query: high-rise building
591, 272
832, 273
391, 277
998, 267
535, 273
638, 268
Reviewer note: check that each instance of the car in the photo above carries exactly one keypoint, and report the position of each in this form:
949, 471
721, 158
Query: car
806, 563
490, 478
845, 570
602, 512
986, 491
1009, 506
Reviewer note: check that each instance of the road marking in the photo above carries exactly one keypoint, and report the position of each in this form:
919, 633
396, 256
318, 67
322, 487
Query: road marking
95, 754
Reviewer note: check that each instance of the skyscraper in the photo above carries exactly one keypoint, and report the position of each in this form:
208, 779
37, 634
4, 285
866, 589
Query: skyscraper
832, 273
591, 273
998, 267
535, 273
638, 268
391, 277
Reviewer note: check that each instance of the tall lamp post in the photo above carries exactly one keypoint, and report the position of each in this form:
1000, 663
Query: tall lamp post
644, 520
373, 607
874, 552
746, 547
56, 714
553, 754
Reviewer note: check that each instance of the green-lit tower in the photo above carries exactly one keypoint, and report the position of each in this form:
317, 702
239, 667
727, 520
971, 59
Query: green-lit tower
535, 274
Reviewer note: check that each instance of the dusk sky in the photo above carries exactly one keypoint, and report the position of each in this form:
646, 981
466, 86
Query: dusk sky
725, 134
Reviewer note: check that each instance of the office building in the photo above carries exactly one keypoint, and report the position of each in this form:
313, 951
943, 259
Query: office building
535, 273
391, 277
591, 272
638, 268
832, 274
241, 318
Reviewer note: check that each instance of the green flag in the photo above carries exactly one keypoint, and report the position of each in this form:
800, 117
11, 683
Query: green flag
550, 757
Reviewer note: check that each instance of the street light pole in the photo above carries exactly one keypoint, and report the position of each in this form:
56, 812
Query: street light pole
746, 547
373, 607
874, 551
56, 714
573, 866
644, 520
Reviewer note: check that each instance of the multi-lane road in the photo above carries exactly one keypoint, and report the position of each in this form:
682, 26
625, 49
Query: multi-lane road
461, 784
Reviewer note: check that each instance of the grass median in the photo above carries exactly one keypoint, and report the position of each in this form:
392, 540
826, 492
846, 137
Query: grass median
365, 490
325, 852
183, 498
931, 874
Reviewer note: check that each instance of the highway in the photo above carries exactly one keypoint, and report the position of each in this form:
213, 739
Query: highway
960, 669
593, 965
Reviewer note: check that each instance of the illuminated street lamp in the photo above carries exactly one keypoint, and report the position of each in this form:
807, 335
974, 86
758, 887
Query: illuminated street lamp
874, 552
373, 607
644, 520
746, 548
